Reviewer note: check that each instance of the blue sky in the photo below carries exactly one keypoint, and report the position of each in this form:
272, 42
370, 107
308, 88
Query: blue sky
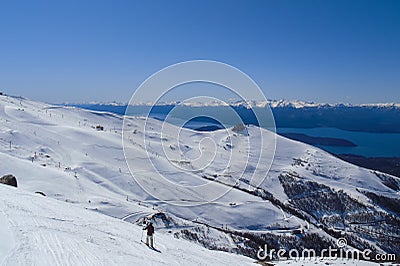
323, 51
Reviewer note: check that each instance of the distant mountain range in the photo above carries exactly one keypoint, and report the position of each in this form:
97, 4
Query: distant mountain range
249, 104
381, 118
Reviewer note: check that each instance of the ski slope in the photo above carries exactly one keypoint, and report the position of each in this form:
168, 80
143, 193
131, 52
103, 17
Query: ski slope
36, 230
83, 172
74, 162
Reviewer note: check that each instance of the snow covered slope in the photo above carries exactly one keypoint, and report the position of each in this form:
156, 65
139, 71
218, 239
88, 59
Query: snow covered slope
36, 230
308, 197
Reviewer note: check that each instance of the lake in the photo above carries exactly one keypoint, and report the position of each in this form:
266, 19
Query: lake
368, 144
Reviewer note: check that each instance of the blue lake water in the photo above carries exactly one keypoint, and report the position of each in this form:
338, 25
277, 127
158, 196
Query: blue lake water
368, 144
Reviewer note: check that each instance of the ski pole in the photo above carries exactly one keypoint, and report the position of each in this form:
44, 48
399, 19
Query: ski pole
141, 238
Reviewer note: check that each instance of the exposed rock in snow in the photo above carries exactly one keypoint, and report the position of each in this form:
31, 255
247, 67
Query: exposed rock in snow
9, 180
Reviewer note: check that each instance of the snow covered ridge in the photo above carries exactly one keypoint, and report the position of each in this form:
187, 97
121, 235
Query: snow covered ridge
74, 156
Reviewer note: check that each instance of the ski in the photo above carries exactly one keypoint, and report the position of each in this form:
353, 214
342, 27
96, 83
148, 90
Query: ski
152, 248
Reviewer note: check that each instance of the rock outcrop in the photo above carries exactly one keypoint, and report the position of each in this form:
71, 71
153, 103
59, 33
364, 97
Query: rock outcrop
9, 180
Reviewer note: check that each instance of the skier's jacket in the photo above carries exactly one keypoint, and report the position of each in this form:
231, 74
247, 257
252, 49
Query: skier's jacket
150, 229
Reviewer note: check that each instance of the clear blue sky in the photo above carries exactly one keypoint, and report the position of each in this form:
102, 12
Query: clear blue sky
324, 51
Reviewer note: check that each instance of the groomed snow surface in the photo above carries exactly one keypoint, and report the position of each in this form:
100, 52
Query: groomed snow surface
36, 230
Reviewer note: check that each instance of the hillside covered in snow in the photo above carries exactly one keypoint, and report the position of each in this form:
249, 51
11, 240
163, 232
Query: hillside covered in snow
75, 157
35, 230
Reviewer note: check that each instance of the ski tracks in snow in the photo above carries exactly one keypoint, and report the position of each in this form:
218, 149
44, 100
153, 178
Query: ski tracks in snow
43, 243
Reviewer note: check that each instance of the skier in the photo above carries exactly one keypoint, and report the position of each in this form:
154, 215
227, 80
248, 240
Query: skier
150, 232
